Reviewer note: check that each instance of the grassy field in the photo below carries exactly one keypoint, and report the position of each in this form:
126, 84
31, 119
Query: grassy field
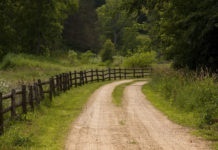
22, 68
47, 127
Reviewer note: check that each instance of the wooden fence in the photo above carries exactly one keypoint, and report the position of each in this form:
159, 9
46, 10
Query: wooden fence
19, 101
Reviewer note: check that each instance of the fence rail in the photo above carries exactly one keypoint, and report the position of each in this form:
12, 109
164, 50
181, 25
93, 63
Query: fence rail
29, 96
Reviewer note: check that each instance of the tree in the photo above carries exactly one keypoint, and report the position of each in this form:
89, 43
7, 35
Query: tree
80, 30
32, 26
107, 51
185, 32
116, 24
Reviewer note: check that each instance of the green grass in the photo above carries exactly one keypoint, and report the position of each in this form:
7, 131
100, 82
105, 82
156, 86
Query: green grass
22, 68
188, 119
118, 93
48, 126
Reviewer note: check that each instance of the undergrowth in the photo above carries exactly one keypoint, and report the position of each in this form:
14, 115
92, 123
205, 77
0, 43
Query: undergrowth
189, 98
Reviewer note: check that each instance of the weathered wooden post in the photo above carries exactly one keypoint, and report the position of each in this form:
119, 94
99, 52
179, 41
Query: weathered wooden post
1, 115
120, 73
75, 78
102, 74
13, 103
70, 79
91, 75
40, 89
125, 73
115, 74
134, 72
81, 78
24, 107
109, 73
50, 89
85, 74
36, 94
31, 97
97, 75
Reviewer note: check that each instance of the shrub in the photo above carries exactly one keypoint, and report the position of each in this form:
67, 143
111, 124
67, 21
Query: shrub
72, 55
107, 51
189, 91
140, 60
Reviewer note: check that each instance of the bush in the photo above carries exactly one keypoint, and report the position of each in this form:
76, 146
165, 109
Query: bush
72, 55
107, 51
189, 91
139, 60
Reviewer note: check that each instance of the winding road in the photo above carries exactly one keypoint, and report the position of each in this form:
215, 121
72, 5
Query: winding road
137, 125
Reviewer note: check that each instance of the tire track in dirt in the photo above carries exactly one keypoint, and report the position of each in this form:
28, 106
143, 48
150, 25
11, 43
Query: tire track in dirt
136, 125
143, 118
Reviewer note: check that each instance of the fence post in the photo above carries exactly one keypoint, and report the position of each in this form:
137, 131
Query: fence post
53, 85
36, 93
1, 115
24, 99
40, 89
13, 104
70, 79
120, 73
125, 73
102, 74
75, 78
85, 74
91, 75
31, 97
50, 89
61, 82
97, 75
142, 71
133, 72
81, 78
115, 74
109, 73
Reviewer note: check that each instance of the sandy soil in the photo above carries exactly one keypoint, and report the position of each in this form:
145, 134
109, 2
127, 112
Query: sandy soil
136, 125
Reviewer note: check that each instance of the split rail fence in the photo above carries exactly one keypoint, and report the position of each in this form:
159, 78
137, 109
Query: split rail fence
19, 101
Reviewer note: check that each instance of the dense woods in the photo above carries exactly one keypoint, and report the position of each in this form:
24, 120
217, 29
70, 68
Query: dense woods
184, 32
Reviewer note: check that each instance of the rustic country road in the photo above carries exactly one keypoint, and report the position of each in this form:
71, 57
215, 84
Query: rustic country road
137, 125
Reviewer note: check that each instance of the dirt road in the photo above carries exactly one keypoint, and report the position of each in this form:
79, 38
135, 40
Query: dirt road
136, 125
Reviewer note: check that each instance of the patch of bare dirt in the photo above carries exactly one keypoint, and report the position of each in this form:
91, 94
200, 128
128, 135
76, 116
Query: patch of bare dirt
136, 125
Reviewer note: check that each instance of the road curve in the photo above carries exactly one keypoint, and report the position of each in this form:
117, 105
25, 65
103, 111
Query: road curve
137, 125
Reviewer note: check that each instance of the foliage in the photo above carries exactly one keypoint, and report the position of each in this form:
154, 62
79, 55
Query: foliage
88, 58
117, 25
32, 26
185, 32
19, 68
72, 55
107, 51
190, 92
139, 60
80, 28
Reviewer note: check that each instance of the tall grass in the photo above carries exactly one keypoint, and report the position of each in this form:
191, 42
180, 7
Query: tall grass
188, 98
18, 68
189, 91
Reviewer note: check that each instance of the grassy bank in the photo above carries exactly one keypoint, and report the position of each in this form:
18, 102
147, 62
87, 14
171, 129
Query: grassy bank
47, 127
188, 98
22, 68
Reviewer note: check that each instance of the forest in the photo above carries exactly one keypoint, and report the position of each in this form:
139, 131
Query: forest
185, 33
176, 39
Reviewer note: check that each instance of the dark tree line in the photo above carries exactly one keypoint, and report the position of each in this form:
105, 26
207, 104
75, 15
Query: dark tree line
32, 26
183, 31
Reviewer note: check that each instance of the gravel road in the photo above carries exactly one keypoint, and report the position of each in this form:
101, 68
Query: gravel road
137, 125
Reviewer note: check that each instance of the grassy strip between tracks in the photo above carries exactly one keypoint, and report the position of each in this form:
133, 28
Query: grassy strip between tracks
47, 127
118, 92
